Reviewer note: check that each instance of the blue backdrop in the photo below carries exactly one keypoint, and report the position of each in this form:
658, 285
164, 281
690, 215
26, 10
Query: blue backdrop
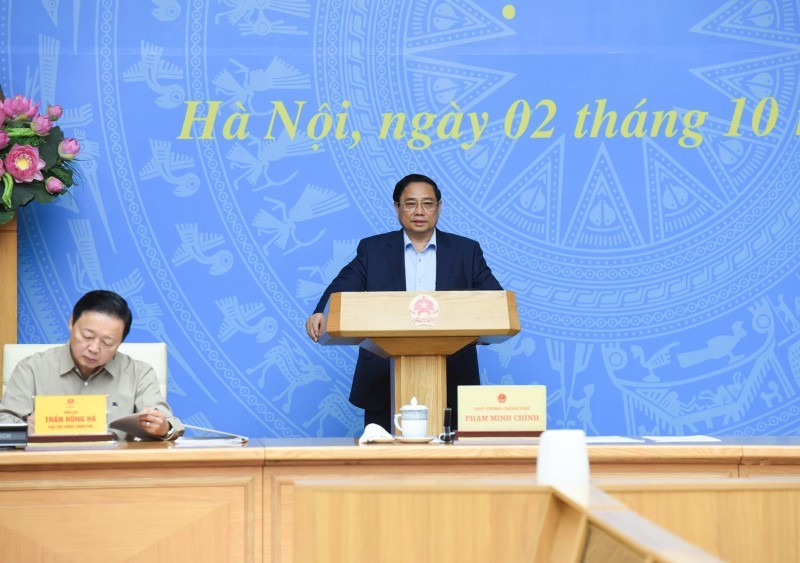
630, 168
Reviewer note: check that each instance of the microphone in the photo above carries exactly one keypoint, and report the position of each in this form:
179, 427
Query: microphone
447, 434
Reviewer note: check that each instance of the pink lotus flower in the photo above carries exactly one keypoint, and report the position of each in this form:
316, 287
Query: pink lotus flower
2, 168
68, 148
19, 108
24, 164
41, 125
53, 185
54, 112
3, 139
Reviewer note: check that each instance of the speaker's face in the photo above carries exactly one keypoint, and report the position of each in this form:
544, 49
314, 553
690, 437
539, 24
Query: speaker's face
418, 210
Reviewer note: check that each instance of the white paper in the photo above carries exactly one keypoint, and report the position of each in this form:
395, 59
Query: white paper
215, 432
612, 440
678, 439
130, 425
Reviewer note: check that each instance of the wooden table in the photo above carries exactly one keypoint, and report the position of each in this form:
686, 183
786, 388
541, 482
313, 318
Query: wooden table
131, 502
162, 502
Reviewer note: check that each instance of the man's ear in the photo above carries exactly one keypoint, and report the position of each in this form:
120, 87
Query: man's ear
70, 323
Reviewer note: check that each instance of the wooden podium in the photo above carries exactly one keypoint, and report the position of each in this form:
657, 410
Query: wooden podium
418, 330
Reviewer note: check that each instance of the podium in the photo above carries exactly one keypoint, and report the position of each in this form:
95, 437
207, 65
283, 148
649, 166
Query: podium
418, 330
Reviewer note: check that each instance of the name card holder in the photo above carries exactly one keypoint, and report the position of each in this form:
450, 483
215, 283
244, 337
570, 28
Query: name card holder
70, 418
501, 411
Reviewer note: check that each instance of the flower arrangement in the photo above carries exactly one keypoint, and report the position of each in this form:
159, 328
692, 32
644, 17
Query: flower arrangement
36, 161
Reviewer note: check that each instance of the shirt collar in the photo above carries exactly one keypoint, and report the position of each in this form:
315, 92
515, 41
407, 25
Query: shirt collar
431, 242
66, 364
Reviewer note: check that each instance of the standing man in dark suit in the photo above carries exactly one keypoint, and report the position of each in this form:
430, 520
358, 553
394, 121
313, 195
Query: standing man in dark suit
419, 257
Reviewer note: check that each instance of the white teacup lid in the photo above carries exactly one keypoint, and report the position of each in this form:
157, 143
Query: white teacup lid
413, 406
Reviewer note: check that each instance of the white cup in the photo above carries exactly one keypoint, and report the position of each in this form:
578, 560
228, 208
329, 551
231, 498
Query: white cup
415, 420
563, 463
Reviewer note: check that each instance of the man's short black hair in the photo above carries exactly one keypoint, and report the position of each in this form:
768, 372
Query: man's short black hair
106, 302
410, 179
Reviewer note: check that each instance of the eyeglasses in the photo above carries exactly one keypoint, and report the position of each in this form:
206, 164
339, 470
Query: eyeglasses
410, 205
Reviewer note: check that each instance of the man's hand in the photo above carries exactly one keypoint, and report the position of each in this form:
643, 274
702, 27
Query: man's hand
314, 326
154, 422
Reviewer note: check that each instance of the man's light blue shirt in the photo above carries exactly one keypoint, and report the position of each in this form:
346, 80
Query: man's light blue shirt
420, 266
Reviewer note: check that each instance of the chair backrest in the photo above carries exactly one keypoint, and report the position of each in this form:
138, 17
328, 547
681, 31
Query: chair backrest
154, 353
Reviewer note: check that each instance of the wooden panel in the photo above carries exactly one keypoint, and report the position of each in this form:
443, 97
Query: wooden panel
737, 520
602, 458
425, 378
120, 455
461, 313
602, 547
649, 460
779, 458
666, 454
408, 346
337, 458
8, 284
649, 470
470, 520
560, 533
131, 515
769, 470
398, 521
650, 541
279, 490
375, 463
520, 454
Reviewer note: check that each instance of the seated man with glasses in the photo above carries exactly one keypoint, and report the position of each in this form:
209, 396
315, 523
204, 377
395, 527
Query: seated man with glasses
418, 257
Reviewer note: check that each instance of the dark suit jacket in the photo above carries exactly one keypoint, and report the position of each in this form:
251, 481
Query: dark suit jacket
379, 265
